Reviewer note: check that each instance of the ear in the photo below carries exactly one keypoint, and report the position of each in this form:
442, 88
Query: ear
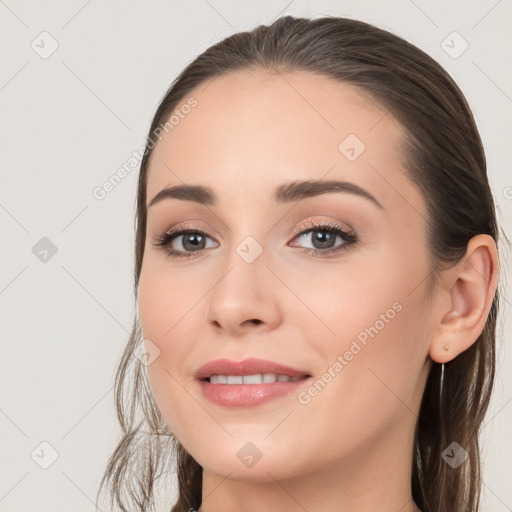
467, 291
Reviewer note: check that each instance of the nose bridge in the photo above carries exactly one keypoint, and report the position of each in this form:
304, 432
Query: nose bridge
246, 247
244, 269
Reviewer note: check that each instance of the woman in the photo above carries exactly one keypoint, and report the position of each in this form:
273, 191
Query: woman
316, 273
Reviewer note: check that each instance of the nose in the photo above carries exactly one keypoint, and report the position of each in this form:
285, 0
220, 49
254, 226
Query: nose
246, 298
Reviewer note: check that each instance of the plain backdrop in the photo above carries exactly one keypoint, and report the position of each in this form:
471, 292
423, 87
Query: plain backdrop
79, 84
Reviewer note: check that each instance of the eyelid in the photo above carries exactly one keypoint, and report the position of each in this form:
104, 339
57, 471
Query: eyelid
187, 226
313, 224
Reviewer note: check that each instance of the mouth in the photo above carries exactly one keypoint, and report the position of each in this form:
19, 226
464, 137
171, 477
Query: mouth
248, 371
248, 383
258, 378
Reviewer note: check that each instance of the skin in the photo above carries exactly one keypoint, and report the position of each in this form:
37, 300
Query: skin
349, 448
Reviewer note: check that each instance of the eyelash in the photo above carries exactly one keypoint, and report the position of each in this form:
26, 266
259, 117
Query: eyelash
349, 238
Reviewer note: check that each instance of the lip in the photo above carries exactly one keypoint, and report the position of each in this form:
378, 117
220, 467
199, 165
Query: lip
249, 366
247, 395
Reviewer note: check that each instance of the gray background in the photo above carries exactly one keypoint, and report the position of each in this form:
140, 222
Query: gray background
69, 121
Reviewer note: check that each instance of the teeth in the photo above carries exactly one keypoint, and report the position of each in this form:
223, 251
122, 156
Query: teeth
251, 379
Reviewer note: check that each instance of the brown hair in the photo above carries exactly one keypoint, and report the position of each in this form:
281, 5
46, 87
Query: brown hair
443, 154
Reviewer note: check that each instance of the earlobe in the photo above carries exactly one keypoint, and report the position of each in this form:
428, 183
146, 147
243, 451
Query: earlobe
442, 352
469, 287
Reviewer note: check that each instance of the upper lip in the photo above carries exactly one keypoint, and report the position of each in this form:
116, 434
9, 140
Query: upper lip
251, 366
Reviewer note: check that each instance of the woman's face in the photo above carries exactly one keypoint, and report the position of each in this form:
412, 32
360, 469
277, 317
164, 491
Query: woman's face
351, 311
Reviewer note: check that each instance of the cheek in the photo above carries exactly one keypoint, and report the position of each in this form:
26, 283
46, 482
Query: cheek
163, 298
372, 315
339, 301
371, 364
169, 306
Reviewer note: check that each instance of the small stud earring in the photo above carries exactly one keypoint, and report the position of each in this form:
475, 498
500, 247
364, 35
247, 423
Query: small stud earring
446, 347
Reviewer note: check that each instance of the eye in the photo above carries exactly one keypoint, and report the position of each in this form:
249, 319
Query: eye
183, 242
324, 237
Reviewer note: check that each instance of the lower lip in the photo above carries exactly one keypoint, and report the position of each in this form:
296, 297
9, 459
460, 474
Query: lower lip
248, 395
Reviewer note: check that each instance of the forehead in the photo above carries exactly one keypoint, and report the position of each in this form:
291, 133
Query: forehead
250, 131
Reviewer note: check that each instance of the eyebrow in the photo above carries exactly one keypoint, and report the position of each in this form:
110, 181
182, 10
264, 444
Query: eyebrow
286, 193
